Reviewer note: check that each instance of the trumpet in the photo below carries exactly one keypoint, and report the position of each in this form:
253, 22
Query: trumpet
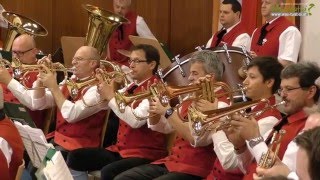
267, 161
154, 91
75, 88
20, 71
205, 89
202, 122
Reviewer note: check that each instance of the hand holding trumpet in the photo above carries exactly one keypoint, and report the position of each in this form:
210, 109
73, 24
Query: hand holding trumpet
106, 88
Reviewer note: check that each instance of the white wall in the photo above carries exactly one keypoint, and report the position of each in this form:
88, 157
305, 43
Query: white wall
310, 30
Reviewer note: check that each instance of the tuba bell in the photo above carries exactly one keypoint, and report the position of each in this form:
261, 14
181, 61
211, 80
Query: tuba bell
101, 25
18, 24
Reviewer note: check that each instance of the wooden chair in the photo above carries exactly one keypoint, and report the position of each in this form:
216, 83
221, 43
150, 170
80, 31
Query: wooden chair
20, 171
49, 118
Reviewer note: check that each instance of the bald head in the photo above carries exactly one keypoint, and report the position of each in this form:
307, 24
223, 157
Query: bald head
24, 48
89, 52
26, 40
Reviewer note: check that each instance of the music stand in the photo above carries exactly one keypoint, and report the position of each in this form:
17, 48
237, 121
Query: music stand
164, 59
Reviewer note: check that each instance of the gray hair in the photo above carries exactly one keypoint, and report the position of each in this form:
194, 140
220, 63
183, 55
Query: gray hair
211, 62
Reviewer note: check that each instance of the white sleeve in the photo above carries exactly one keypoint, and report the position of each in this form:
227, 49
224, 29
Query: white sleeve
265, 126
289, 44
74, 112
209, 42
25, 96
289, 157
242, 40
141, 111
6, 149
224, 150
244, 160
163, 126
143, 29
293, 176
205, 139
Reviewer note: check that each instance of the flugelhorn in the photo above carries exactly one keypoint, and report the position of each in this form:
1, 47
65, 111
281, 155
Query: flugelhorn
205, 89
202, 122
267, 160
18, 24
75, 87
20, 71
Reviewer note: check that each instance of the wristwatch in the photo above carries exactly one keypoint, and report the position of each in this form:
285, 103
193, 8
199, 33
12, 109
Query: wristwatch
253, 142
169, 112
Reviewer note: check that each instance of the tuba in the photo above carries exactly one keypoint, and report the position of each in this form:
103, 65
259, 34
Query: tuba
101, 25
18, 24
219, 119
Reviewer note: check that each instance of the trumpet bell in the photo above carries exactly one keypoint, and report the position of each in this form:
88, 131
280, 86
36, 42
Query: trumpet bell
18, 24
101, 25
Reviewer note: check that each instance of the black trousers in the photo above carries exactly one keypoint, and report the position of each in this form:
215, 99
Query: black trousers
110, 163
154, 171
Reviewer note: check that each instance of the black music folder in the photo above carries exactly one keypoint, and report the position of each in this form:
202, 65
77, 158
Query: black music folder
6, 55
17, 112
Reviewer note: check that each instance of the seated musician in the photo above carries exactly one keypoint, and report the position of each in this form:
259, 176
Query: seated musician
262, 81
233, 32
24, 48
298, 90
77, 125
185, 161
308, 144
11, 146
137, 144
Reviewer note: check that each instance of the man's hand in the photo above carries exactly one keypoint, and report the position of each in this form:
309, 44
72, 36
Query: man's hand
248, 127
235, 138
204, 105
156, 107
278, 169
106, 90
48, 78
5, 76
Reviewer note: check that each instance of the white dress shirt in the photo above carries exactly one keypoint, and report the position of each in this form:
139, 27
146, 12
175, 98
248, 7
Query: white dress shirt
129, 115
6, 150
242, 40
289, 43
289, 157
71, 111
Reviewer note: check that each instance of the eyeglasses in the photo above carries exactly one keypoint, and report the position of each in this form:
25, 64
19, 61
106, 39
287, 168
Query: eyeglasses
21, 53
136, 61
286, 90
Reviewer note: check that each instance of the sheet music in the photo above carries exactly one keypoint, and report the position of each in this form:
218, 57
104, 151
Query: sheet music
57, 168
34, 142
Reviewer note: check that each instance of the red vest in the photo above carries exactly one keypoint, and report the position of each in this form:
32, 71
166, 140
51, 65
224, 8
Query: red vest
230, 36
84, 133
139, 142
271, 46
187, 159
295, 124
10, 133
4, 170
116, 42
218, 172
